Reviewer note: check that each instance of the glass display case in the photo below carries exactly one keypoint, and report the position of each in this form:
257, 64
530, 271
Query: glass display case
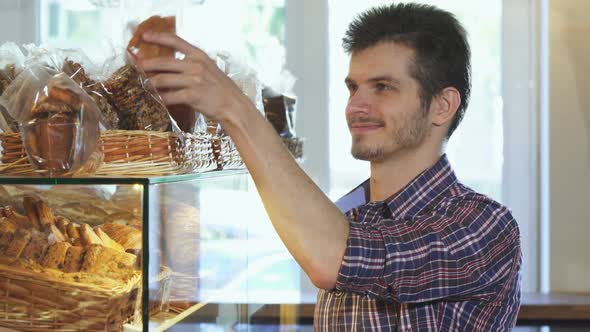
118, 254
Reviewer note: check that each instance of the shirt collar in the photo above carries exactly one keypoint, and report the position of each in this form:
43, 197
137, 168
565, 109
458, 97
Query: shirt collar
414, 197
422, 190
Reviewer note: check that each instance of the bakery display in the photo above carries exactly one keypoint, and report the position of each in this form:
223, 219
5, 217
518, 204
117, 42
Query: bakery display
54, 242
69, 264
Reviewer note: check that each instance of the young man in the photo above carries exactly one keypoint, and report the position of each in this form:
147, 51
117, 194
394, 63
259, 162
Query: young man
419, 251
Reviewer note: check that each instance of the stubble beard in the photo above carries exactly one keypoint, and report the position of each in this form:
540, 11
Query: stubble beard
413, 131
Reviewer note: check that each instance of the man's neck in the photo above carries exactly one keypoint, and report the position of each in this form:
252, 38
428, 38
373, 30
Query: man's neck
391, 175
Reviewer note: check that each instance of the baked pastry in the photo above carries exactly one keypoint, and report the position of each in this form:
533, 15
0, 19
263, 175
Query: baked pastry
51, 135
55, 256
141, 49
127, 236
46, 217
91, 258
73, 260
62, 223
16, 218
72, 231
29, 204
56, 234
5, 239
107, 241
36, 247
88, 236
6, 226
19, 242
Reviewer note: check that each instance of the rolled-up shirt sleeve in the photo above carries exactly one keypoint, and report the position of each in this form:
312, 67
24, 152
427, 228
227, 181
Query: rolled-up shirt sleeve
464, 251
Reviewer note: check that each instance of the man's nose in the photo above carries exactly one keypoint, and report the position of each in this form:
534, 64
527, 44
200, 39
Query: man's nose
358, 102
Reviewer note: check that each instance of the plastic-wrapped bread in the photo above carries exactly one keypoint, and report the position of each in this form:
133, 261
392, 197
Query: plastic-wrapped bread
137, 102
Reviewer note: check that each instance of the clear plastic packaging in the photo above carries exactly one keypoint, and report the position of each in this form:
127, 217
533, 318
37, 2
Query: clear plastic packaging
11, 62
59, 123
139, 105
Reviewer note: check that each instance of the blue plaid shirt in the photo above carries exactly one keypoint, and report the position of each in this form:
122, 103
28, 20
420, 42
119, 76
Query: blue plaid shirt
436, 256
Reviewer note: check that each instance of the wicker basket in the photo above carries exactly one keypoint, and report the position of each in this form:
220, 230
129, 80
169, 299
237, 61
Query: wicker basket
31, 301
128, 153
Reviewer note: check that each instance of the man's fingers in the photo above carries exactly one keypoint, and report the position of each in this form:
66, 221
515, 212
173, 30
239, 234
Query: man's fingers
173, 81
174, 42
165, 65
175, 97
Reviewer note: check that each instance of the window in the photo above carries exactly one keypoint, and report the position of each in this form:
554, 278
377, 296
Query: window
253, 31
475, 149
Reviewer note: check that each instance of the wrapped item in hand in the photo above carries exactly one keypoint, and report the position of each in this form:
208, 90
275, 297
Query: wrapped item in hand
141, 49
61, 131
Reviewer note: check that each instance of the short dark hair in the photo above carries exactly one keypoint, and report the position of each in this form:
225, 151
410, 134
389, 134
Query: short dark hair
439, 40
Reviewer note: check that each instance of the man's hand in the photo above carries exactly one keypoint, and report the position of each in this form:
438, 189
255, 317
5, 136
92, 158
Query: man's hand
195, 81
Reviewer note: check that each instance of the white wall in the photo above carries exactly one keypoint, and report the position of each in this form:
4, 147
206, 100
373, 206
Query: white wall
19, 21
570, 145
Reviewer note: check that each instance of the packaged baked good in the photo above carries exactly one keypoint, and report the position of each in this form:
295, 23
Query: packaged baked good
109, 116
138, 104
140, 49
11, 62
60, 130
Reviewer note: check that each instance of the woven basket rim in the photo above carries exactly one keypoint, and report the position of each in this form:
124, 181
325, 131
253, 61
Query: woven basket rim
14, 272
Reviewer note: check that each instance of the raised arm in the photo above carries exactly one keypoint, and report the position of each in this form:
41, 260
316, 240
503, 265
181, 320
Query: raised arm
311, 226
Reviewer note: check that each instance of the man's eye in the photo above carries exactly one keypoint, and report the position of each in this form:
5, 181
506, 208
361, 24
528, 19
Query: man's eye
351, 88
383, 87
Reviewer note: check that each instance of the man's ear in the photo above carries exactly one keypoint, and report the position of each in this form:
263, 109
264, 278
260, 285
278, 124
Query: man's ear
445, 105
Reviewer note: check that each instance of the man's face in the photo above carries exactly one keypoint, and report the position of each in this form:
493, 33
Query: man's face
384, 112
